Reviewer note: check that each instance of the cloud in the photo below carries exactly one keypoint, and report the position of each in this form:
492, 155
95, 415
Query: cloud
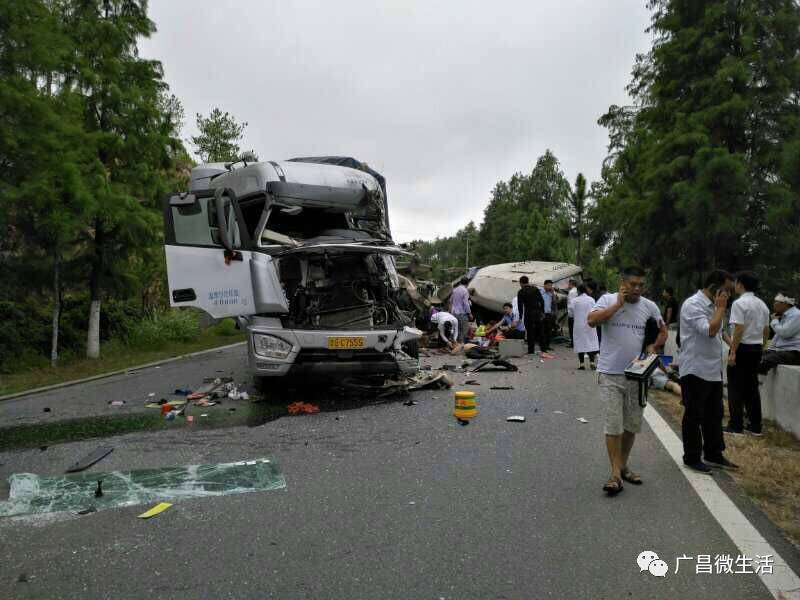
444, 98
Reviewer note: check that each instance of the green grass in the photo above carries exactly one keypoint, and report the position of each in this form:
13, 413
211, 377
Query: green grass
115, 356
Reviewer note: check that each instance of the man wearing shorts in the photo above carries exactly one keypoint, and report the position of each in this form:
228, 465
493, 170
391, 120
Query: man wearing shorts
623, 317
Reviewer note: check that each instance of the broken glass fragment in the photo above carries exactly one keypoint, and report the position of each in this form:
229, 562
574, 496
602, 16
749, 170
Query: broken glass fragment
31, 493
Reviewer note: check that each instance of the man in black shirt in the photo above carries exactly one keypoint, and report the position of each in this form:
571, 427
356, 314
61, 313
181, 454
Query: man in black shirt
531, 309
670, 306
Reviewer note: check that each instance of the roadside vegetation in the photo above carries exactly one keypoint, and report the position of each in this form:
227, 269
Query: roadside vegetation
769, 468
153, 338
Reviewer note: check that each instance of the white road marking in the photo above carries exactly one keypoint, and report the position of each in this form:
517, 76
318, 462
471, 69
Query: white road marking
783, 583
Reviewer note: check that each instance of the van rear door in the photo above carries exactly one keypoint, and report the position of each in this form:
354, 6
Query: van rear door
201, 271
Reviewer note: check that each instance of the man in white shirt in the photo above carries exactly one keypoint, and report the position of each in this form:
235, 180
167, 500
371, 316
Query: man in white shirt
750, 322
448, 327
571, 295
701, 319
624, 317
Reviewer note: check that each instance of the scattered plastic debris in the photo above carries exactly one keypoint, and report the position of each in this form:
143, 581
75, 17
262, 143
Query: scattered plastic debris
558, 412
472, 382
156, 510
182, 392
516, 419
86, 511
409, 403
151, 395
502, 387
204, 415
297, 408
582, 420
46, 409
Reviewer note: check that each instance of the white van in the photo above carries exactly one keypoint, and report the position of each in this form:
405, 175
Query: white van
301, 253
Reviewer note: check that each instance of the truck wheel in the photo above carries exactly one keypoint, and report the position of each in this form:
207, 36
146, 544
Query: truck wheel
411, 348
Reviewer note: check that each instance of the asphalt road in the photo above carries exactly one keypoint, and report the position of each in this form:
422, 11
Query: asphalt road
387, 501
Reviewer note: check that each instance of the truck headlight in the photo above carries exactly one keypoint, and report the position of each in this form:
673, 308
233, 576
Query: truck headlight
270, 346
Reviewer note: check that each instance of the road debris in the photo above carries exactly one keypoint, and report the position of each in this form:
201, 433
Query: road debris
582, 420
93, 457
297, 408
496, 364
516, 419
472, 382
87, 511
502, 387
156, 510
46, 409
35, 494
116, 402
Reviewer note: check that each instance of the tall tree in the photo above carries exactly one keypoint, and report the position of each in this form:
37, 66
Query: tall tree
219, 136
44, 154
123, 105
578, 205
527, 217
702, 170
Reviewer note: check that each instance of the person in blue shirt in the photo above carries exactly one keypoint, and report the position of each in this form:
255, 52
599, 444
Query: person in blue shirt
785, 347
511, 328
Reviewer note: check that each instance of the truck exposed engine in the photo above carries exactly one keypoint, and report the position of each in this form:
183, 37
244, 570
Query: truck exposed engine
300, 252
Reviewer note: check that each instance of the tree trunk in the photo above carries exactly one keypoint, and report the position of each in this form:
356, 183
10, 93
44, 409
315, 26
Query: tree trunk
93, 338
56, 308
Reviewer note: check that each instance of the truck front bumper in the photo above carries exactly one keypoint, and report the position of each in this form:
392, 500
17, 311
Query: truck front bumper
311, 356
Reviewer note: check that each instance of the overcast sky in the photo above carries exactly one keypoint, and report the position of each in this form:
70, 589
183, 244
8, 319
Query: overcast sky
443, 98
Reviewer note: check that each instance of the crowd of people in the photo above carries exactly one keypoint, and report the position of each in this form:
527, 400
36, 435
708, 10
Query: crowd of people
615, 329
627, 318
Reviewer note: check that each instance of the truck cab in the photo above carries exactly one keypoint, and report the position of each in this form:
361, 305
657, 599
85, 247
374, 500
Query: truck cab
300, 252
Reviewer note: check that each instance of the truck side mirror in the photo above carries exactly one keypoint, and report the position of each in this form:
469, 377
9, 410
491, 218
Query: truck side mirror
222, 221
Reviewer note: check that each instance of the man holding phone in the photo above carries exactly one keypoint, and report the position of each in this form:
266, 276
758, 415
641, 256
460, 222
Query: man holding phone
624, 317
701, 323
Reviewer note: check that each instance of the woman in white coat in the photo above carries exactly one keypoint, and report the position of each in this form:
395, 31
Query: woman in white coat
585, 337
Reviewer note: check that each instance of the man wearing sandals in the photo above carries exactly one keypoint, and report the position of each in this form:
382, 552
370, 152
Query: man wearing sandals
624, 318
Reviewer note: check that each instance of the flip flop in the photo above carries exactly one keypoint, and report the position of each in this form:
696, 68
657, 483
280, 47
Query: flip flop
613, 487
631, 477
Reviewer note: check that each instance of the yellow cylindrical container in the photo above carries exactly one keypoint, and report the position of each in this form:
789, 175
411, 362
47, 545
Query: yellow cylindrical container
465, 406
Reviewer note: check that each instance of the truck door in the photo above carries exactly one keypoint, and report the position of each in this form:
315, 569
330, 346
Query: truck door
208, 266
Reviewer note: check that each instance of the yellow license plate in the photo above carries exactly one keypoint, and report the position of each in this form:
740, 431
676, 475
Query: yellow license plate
345, 343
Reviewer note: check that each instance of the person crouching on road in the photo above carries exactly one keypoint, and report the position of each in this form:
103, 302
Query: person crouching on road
585, 340
448, 328
750, 321
785, 347
701, 373
624, 317
509, 326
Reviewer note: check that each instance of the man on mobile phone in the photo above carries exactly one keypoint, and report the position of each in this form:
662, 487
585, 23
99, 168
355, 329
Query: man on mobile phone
624, 317
701, 319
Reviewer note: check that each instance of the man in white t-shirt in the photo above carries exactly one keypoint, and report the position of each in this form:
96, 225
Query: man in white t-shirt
624, 317
750, 323
448, 327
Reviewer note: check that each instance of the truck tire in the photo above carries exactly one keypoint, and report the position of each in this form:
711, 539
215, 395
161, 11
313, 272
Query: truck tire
411, 348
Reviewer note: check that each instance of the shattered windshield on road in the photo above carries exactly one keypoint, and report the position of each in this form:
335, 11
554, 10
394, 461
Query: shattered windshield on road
32, 494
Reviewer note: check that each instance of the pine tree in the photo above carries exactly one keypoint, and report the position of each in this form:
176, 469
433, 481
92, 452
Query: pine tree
700, 174
218, 140
123, 107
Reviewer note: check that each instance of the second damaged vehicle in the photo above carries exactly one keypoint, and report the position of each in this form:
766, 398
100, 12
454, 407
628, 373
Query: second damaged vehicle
301, 253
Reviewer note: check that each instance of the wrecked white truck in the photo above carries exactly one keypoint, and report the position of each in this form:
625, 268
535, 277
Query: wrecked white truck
300, 252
